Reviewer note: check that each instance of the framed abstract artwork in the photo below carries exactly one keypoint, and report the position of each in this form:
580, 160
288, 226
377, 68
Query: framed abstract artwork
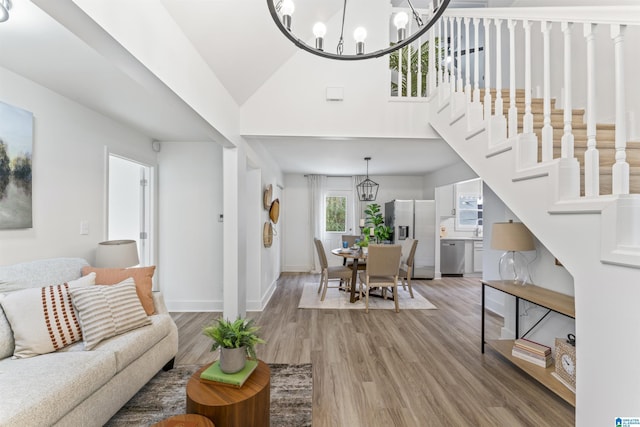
16, 147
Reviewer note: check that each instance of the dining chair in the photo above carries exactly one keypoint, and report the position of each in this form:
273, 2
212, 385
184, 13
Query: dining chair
383, 264
330, 273
351, 240
406, 263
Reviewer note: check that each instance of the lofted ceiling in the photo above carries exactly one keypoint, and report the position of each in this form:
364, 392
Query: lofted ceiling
35, 45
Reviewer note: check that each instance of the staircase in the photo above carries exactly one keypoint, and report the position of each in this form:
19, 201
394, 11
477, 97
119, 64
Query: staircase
576, 186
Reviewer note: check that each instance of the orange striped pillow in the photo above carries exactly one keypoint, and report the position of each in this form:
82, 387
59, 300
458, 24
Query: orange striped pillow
142, 276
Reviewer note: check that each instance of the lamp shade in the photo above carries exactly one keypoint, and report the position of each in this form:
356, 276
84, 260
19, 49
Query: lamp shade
511, 236
117, 254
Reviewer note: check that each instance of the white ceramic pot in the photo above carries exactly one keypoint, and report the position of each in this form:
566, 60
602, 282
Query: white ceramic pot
232, 360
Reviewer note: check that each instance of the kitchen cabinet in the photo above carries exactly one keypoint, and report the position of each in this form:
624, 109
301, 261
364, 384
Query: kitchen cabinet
445, 200
478, 246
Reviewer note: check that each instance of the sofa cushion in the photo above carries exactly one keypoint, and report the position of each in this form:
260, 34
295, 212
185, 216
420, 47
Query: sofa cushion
43, 389
107, 311
132, 345
43, 319
142, 276
39, 273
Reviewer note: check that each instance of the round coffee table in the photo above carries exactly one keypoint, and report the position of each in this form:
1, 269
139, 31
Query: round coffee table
191, 420
230, 406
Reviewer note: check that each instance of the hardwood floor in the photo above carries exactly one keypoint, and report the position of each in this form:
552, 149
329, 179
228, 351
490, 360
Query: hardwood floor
413, 368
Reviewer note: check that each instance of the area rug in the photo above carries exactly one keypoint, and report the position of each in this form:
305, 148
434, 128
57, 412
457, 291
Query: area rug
164, 396
337, 299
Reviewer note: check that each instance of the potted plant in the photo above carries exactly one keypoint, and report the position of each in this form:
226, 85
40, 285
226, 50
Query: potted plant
375, 220
236, 341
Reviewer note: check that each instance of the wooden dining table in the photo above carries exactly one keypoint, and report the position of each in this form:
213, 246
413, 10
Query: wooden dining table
355, 255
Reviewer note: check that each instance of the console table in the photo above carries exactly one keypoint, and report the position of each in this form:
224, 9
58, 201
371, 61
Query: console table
546, 298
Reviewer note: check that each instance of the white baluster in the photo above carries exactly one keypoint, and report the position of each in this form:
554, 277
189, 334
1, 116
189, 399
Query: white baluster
459, 82
569, 168
399, 76
527, 147
591, 156
476, 63
567, 137
467, 62
487, 72
498, 121
432, 72
547, 128
513, 110
474, 107
445, 90
620, 170
418, 82
442, 53
452, 54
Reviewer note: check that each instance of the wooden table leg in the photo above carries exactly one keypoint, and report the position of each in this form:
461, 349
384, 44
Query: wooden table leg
354, 279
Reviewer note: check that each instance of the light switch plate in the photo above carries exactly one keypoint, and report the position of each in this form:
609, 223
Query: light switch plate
84, 227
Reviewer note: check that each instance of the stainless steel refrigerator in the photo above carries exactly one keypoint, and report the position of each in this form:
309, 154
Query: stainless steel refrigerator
415, 219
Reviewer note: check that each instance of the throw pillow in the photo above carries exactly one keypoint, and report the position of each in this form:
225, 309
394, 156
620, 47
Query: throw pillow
142, 276
43, 320
108, 310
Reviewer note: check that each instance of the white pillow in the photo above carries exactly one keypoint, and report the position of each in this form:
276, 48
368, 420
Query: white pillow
43, 320
108, 310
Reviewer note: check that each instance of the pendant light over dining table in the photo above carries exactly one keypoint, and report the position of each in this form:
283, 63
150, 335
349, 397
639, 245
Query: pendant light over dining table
367, 189
282, 12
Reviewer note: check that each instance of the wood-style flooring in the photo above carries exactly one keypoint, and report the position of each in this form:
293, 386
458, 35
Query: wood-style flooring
414, 368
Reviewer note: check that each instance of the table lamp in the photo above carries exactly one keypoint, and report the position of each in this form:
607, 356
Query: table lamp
117, 254
512, 237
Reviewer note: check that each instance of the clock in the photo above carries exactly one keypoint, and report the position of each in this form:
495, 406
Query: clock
565, 366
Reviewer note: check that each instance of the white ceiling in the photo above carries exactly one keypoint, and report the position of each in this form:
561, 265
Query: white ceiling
36, 46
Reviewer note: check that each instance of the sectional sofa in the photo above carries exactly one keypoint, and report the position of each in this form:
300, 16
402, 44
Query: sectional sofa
73, 385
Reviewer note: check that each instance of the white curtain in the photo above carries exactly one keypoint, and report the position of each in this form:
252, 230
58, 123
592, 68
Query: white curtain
357, 211
317, 184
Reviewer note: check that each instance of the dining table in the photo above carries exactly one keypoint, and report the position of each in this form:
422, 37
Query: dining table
356, 255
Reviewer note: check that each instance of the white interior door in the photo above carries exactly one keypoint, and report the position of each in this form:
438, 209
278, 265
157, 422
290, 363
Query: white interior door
129, 206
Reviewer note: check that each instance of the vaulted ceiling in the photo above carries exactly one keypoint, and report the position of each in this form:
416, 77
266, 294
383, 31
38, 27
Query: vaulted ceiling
230, 35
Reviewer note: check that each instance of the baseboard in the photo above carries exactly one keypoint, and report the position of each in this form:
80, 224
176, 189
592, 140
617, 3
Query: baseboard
193, 306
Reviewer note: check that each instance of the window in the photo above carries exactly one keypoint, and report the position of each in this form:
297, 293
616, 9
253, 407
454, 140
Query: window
335, 214
468, 205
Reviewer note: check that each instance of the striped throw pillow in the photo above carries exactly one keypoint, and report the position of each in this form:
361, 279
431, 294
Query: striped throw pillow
43, 320
108, 310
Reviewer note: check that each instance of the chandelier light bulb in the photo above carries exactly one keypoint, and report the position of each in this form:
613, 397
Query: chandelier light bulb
360, 34
401, 20
319, 29
288, 7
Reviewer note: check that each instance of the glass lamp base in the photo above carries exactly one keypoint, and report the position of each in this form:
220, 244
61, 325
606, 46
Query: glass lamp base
513, 267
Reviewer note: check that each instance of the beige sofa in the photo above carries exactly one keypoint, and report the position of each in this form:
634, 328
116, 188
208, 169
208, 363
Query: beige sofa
71, 386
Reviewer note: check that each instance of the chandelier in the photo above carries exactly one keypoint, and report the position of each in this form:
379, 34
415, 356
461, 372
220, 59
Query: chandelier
5, 6
367, 189
282, 13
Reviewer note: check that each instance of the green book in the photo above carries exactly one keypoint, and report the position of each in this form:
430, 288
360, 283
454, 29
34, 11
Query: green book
215, 375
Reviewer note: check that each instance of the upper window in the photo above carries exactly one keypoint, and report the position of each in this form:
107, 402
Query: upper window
336, 214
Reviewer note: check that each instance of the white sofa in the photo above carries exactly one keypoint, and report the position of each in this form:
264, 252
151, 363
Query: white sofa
71, 386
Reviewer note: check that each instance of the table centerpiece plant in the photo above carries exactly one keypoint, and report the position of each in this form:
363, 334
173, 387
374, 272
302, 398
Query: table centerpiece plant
236, 341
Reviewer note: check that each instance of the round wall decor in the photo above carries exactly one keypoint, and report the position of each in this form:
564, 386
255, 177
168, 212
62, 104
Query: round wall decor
274, 211
267, 234
266, 199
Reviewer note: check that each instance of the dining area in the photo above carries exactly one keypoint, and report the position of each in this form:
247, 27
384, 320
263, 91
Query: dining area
367, 271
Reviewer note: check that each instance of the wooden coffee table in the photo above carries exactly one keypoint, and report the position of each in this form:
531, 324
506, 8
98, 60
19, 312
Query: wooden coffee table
186, 420
230, 406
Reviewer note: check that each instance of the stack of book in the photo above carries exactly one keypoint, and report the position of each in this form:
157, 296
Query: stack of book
531, 351
214, 375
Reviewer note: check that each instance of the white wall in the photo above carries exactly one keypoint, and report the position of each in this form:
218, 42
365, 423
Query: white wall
454, 173
191, 253
296, 229
68, 172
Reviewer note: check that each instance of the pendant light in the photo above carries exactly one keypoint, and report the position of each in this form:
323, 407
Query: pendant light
367, 189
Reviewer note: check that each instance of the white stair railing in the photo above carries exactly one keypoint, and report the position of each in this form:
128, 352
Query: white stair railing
532, 64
